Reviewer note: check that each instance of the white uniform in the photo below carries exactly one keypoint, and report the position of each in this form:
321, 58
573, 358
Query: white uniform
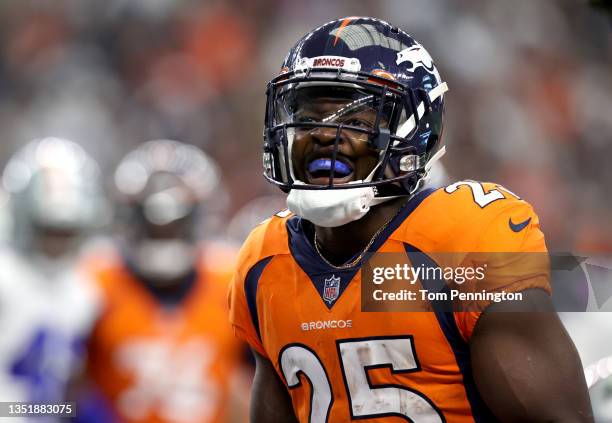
589, 329
46, 311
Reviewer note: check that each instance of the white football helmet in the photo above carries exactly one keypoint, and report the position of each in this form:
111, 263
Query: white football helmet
54, 187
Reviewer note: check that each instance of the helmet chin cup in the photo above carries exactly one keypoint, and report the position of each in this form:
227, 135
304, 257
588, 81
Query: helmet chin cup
330, 208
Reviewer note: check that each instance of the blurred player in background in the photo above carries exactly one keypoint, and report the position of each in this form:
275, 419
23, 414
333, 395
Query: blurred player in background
251, 214
47, 305
162, 349
353, 124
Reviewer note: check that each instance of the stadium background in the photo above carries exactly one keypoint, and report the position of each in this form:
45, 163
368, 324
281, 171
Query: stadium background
529, 105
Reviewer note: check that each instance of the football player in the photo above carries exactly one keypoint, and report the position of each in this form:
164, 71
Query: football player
162, 349
353, 125
47, 303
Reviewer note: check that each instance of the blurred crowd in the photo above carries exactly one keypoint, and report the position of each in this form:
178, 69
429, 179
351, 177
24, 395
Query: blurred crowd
529, 107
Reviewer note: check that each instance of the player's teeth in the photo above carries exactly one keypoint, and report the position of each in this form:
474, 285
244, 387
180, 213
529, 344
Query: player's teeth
340, 168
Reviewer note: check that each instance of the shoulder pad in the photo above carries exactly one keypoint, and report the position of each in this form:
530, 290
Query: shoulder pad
466, 215
267, 239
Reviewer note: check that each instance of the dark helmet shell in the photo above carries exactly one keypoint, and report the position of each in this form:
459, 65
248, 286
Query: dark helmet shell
372, 54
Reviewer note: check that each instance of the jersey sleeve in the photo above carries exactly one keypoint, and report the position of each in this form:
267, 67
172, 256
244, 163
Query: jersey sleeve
240, 316
513, 249
253, 257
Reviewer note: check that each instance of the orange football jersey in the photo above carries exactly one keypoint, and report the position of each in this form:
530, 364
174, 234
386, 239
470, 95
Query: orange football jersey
157, 363
342, 364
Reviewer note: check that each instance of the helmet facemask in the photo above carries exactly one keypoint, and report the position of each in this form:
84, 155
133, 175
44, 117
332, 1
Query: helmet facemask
372, 109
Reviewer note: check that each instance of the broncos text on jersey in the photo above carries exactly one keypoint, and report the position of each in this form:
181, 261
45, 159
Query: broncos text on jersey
341, 364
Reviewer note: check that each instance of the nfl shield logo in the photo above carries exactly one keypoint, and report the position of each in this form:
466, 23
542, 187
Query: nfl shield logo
331, 289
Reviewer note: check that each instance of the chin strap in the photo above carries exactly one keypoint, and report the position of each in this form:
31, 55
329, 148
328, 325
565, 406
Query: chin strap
379, 199
433, 159
331, 208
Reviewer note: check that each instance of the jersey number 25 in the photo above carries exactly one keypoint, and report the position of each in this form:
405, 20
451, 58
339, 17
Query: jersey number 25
481, 197
358, 356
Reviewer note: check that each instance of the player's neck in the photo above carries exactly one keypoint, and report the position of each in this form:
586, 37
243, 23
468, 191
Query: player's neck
338, 245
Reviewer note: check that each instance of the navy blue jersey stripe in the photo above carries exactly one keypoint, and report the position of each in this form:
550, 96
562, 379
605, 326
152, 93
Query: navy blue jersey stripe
444, 314
403, 214
251, 283
321, 272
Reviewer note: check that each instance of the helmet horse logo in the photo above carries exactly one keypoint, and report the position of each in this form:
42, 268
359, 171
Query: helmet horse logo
417, 56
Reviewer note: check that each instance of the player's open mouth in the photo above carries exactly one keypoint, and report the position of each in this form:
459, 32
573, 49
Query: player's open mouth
319, 170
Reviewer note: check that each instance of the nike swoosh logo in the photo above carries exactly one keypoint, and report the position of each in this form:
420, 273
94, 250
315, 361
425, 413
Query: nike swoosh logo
518, 226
